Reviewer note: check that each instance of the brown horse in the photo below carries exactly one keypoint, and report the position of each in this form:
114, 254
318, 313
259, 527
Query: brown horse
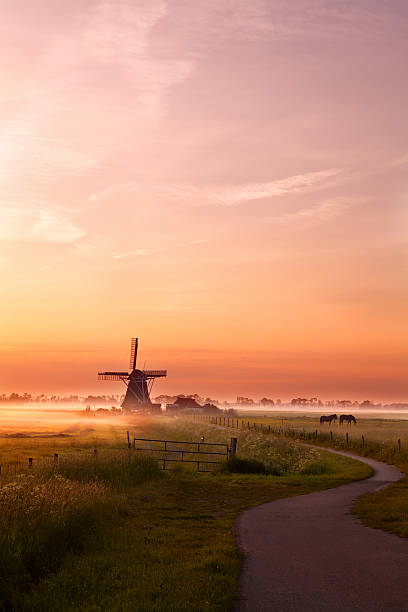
328, 419
347, 418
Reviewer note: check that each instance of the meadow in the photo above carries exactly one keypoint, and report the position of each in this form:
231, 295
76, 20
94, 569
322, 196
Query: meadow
110, 529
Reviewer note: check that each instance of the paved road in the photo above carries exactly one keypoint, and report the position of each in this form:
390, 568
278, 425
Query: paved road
309, 554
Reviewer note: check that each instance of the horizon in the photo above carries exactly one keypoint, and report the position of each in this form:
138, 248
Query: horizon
22, 399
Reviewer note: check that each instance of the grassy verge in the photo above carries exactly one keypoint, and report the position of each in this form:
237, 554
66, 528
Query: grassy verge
387, 509
171, 545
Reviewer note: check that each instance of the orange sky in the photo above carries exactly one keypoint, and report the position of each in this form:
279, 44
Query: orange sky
225, 180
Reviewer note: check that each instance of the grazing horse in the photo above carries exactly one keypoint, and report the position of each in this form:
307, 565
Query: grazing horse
348, 418
328, 419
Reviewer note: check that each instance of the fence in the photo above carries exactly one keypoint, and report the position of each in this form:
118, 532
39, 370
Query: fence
346, 440
13, 468
196, 449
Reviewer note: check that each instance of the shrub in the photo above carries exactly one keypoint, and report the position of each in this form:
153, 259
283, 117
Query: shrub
238, 465
315, 469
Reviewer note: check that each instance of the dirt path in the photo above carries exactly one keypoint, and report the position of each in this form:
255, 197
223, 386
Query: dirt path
309, 554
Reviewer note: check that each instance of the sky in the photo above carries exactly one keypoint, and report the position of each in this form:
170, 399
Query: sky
225, 180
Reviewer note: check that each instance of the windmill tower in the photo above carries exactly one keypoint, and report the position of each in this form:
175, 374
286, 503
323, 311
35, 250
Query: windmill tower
138, 382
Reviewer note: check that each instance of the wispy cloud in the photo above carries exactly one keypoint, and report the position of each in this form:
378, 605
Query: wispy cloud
223, 196
301, 19
257, 191
118, 35
25, 154
101, 66
129, 187
402, 160
42, 225
313, 215
137, 253
143, 252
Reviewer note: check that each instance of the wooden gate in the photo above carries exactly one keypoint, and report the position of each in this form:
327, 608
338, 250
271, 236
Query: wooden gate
176, 451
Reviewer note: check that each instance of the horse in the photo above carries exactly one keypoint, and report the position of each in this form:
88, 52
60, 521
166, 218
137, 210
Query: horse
348, 418
328, 419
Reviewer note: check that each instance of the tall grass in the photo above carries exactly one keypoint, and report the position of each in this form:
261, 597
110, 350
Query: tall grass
41, 520
118, 468
56, 510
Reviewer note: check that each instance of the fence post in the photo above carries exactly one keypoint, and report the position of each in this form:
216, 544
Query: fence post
399, 445
331, 435
233, 450
362, 440
30, 462
347, 439
128, 439
55, 457
316, 434
95, 452
269, 429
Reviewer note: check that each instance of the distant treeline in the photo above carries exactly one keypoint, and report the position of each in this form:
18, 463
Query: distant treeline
18, 398
97, 400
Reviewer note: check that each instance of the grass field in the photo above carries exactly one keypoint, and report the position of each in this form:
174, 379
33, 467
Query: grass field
111, 530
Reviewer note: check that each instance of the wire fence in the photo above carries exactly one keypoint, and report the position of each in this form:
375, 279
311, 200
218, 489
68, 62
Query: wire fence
350, 439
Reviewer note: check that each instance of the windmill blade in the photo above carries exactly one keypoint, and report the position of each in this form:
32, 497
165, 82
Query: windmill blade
112, 375
154, 373
133, 353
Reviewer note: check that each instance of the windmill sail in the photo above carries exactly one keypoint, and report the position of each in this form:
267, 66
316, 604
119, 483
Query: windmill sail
133, 353
112, 375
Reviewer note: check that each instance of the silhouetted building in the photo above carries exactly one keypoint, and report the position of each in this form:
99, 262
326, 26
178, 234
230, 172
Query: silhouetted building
138, 382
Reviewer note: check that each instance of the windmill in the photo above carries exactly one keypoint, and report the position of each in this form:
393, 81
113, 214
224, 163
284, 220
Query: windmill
138, 382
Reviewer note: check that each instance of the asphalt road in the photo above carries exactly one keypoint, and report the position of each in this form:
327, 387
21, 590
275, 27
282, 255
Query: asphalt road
309, 554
